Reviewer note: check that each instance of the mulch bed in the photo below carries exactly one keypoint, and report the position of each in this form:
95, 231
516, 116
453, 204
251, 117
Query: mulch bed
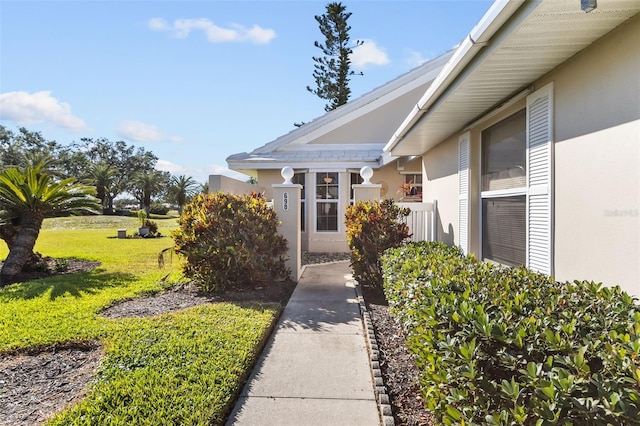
36, 385
398, 368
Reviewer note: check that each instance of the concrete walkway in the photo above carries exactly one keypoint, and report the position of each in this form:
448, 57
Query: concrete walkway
315, 368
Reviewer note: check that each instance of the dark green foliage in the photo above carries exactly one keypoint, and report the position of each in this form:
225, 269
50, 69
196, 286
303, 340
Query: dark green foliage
230, 240
158, 208
152, 225
506, 346
372, 228
332, 71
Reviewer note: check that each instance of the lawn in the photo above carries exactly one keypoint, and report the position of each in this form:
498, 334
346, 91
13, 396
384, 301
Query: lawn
179, 368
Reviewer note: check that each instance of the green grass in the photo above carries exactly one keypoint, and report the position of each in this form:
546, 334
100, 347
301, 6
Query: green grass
179, 368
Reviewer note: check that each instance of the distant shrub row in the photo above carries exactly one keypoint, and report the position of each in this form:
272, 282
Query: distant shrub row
508, 346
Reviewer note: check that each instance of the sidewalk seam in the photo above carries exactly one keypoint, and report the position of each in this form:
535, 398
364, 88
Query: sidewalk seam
382, 396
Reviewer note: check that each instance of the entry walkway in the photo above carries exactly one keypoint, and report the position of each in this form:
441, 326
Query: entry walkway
314, 369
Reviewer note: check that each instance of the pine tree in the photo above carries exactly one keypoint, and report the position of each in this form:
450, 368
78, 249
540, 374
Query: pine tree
332, 71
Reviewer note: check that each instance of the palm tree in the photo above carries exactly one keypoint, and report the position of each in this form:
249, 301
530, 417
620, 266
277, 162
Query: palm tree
27, 196
149, 184
101, 175
45, 162
182, 188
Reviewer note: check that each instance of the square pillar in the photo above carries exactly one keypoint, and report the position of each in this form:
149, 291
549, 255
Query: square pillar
286, 202
366, 192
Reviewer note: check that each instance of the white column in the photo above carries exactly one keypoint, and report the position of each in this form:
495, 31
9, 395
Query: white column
366, 191
286, 202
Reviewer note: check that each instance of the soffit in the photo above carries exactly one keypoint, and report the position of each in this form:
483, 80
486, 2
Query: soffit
552, 33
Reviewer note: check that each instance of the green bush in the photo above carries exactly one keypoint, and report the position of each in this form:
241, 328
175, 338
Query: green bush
505, 346
152, 225
372, 228
157, 208
230, 240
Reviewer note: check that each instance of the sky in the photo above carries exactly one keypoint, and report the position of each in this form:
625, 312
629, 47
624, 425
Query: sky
196, 81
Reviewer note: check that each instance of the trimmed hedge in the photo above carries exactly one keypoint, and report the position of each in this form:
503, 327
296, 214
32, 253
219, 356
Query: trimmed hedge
505, 346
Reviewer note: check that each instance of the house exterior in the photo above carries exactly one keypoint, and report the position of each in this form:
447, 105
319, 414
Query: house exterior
530, 140
328, 153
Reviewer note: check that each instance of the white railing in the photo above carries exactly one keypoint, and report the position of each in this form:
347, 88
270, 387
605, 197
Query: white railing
422, 220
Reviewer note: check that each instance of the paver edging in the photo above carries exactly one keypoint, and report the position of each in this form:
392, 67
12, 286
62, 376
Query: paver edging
382, 396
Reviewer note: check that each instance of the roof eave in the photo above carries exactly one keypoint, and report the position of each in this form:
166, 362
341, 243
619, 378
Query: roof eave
492, 21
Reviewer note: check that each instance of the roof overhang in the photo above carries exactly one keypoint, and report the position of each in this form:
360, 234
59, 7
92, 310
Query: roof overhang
515, 43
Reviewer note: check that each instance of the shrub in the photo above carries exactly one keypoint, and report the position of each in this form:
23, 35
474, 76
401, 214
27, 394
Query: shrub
230, 240
152, 225
373, 227
499, 345
157, 208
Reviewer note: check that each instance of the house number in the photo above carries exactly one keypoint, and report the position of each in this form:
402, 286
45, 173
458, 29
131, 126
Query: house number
285, 201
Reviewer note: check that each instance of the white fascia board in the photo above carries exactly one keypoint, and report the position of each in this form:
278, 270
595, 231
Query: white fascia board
304, 165
497, 15
335, 147
386, 158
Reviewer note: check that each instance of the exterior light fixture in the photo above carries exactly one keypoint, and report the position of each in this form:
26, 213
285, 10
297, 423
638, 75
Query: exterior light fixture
588, 5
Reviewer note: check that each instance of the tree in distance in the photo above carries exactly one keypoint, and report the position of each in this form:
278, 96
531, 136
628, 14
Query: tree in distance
333, 69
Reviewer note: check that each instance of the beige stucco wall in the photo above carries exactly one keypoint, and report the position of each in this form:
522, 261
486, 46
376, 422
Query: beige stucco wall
336, 241
597, 161
234, 186
376, 126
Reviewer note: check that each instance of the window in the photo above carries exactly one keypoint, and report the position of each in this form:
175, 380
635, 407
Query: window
299, 178
516, 198
327, 197
412, 184
504, 192
355, 179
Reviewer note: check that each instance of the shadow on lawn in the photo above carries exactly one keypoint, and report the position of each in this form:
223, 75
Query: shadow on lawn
78, 285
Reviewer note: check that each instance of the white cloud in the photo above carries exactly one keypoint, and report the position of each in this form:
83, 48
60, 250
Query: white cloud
181, 28
369, 53
158, 24
415, 58
141, 132
200, 174
39, 107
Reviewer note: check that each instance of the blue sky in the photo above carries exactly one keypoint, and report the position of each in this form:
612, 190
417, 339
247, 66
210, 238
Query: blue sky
197, 81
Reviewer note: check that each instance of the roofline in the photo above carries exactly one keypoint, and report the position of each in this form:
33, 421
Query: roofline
271, 165
409, 79
492, 21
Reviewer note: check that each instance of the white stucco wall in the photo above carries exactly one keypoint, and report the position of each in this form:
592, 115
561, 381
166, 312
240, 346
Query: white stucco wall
597, 162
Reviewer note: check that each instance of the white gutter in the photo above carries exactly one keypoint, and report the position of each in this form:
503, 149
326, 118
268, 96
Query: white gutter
497, 15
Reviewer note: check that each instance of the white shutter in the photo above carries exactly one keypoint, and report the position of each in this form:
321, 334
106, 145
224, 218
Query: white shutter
463, 192
540, 180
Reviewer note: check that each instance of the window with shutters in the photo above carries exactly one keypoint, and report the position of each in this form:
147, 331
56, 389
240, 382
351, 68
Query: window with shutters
504, 191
